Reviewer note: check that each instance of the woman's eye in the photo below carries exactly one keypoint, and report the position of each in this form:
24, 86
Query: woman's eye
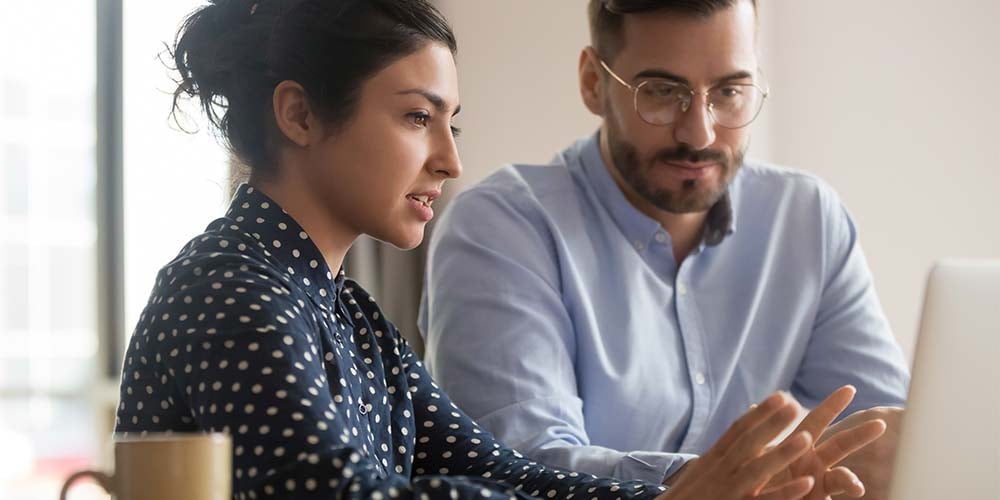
420, 119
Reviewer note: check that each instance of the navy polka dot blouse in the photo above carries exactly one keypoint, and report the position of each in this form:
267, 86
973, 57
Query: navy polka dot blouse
248, 332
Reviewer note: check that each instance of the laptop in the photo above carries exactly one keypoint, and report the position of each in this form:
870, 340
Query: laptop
949, 446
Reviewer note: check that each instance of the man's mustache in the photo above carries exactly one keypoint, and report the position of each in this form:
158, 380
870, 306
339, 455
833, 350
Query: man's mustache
685, 153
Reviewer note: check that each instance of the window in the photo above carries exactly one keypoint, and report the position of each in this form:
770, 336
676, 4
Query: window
49, 347
56, 398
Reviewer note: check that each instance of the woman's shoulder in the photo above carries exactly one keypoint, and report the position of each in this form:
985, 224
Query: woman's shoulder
227, 279
224, 249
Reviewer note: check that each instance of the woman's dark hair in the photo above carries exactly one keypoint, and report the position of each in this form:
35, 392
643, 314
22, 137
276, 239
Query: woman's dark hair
231, 54
607, 18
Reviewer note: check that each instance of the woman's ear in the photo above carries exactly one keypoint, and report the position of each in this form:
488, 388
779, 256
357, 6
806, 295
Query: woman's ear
591, 83
292, 113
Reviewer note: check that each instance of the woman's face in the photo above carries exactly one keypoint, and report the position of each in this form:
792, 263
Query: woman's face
380, 173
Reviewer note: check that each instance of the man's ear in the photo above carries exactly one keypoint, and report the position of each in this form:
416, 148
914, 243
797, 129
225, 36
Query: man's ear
591, 83
292, 112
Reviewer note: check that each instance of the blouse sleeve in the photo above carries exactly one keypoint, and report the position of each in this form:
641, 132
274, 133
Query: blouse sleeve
237, 353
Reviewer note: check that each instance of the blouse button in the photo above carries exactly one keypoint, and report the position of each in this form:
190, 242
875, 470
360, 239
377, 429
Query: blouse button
339, 338
362, 408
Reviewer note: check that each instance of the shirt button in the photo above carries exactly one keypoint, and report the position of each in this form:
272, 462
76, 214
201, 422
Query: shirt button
662, 238
699, 378
339, 338
681, 288
362, 408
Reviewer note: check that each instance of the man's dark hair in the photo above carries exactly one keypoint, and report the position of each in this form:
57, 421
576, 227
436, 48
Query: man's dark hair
607, 18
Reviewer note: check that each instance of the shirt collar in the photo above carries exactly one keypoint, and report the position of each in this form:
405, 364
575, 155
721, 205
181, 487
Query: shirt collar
284, 241
638, 227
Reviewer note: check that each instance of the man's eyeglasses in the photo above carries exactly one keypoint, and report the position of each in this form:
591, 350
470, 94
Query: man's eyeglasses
660, 101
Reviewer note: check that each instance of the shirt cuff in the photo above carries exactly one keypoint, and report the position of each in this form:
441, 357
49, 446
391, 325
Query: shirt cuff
680, 460
652, 467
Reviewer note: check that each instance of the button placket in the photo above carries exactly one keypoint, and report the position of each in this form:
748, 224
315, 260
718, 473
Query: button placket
333, 323
692, 332
338, 322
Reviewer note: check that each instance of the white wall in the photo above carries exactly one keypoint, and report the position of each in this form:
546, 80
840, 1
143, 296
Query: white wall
517, 64
893, 102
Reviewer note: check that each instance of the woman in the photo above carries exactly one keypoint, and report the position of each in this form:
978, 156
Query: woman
343, 111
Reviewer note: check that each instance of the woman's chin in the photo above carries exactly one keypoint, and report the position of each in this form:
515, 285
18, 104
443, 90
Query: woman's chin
409, 238
404, 235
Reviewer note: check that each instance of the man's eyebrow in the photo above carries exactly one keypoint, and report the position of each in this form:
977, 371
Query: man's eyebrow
435, 100
666, 75
736, 75
659, 73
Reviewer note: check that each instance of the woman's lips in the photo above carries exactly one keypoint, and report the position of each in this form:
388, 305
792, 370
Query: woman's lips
422, 205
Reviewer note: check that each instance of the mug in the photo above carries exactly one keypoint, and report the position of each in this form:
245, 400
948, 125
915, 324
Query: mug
167, 466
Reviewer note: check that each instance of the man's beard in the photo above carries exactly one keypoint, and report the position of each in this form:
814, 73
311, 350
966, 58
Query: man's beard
695, 195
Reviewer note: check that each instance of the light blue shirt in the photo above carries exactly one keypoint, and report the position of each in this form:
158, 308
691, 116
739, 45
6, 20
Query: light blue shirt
555, 314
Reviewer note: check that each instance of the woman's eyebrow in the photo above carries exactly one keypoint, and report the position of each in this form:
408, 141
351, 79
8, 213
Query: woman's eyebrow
435, 100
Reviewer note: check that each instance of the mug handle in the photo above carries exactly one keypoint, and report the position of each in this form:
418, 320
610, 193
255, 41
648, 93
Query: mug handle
101, 478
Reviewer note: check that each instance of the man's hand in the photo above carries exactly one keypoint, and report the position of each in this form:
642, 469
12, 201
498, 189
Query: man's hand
739, 464
872, 464
840, 442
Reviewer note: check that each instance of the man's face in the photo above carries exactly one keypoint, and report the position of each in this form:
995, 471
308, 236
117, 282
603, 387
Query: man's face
685, 166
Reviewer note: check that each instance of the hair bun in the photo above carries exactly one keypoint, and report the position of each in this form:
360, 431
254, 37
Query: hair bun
233, 8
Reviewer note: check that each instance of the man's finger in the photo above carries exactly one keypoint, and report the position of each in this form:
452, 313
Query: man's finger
751, 443
759, 471
845, 442
749, 421
797, 488
842, 481
820, 417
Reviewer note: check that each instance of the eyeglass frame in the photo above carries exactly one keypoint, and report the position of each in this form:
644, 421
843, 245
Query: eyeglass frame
684, 109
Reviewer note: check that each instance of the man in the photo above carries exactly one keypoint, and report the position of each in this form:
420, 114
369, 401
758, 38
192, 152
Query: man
615, 311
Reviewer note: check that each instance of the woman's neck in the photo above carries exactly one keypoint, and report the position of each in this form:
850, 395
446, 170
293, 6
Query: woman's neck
331, 236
